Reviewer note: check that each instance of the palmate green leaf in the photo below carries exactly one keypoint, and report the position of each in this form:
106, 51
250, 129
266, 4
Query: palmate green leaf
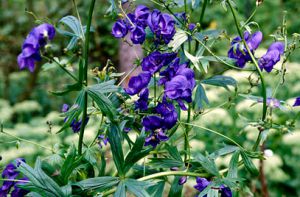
219, 80
137, 152
105, 87
249, 164
97, 184
175, 189
121, 190
40, 182
174, 153
138, 188
196, 60
200, 98
103, 103
157, 190
233, 165
71, 162
114, 136
68, 88
165, 163
223, 151
208, 164
90, 156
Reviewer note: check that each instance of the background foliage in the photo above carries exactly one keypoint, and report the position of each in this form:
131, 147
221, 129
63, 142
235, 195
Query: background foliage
29, 111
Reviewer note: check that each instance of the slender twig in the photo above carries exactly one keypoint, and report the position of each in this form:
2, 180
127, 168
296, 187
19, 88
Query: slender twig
79, 19
15, 180
215, 132
27, 141
263, 91
85, 73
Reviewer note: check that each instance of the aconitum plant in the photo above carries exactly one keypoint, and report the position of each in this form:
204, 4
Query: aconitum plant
142, 145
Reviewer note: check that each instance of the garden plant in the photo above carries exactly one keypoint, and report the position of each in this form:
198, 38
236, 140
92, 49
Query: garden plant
143, 143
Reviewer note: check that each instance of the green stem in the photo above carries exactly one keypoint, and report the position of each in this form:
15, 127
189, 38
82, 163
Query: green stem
203, 11
85, 73
162, 174
215, 132
30, 142
263, 90
15, 180
186, 136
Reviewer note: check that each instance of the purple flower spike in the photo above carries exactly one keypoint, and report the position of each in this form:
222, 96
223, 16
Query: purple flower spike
168, 113
119, 29
297, 102
239, 52
156, 60
36, 39
18, 192
155, 138
137, 83
141, 15
152, 123
272, 56
202, 183
138, 35
142, 102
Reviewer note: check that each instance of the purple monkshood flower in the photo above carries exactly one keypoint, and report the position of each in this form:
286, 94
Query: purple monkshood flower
192, 26
36, 39
102, 138
142, 102
297, 102
76, 124
10, 172
202, 183
168, 114
137, 83
138, 35
119, 29
239, 52
181, 86
225, 191
268, 60
162, 25
156, 60
18, 192
182, 180
141, 14
155, 138
152, 123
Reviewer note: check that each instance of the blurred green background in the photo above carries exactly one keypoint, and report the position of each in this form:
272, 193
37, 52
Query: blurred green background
28, 110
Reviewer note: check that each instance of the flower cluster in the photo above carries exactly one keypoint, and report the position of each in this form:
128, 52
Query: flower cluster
161, 24
36, 40
202, 183
10, 172
75, 124
239, 52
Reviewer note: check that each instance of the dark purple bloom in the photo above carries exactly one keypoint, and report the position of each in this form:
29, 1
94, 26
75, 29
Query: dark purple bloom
156, 60
18, 192
76, 124
142, 102
119, 29
65, 108
102, 139
138, 35
43, 33
36, 39
182, 180
155, 138
162, 25
225, 191
192, 26
169, 72
297, 102
268, 60
141, 15
168, 114
181, 86
239, 52
152, 123
202, 183
137, 83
